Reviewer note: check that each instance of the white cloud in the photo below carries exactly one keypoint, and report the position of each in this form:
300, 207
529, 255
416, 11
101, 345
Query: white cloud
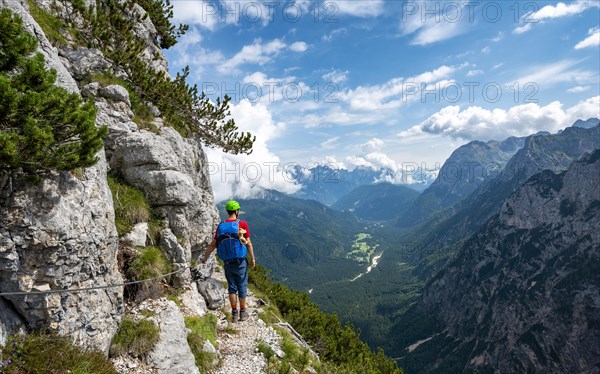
593, 40
372, 145
444, 22
482, 124
255, 53
330, 143
196, 12
298, 47
335, 76
261, 88
245, 176
579, 89
396, 91
474, 73
361, 8
486, 49
498, 66
558, 72
554, 11
522, 29
498, 37
189, 51
334, 33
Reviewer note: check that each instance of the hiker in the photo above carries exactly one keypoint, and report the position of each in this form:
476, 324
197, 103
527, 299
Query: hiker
233, 253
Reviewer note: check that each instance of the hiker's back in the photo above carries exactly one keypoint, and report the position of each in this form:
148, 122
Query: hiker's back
229, 246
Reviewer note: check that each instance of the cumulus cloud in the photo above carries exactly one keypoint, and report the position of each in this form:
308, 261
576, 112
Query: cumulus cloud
482, 124
374, 144
593, 40
189, 51
298, 46
246, 176
579, 89
554, 11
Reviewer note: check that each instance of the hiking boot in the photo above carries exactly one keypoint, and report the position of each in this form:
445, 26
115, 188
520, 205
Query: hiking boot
234, 316
244, 315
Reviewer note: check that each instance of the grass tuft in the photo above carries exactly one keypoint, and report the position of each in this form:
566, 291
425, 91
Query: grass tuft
151, 263
131, 206
202, 329
50, 353
52, 25
134, 337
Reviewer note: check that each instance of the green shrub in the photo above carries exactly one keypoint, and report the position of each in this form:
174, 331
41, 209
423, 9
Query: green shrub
50, 353
134, 337
192, 113
42, 126
151, 263
131, 206
206, 327
202, 329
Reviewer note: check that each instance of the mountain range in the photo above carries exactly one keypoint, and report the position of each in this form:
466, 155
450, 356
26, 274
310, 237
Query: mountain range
418, 300
328, 183
522, 293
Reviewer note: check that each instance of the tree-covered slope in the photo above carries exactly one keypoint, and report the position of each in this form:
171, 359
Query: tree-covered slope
302, 241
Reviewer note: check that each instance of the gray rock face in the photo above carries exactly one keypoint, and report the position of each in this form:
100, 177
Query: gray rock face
212, 291
138, 235
11, 322
192, 300
179, 255
60, 235
523, 295
81, 62
172, 354
172, 172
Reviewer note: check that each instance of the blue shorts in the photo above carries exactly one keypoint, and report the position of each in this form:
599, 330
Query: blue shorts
236, 272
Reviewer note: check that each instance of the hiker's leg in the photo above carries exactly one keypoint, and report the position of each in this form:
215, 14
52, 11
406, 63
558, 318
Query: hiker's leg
232, 288
233, 300
243, 284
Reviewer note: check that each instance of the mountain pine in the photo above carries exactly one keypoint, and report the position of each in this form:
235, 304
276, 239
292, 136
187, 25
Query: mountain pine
42, 126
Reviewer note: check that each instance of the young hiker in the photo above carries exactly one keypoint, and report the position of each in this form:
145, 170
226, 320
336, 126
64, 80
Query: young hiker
233, 253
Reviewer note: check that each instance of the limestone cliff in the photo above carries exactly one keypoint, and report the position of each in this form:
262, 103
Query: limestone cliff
60, 233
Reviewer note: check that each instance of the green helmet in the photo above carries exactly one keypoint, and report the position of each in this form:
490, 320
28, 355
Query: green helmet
232, 205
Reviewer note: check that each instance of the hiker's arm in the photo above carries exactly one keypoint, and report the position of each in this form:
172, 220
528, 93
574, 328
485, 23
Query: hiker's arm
251, 251
209, 250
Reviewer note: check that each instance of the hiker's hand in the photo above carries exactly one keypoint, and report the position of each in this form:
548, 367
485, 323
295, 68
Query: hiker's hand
253, 262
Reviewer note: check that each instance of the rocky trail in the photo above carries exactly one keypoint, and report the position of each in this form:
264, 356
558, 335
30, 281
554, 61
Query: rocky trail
238, 341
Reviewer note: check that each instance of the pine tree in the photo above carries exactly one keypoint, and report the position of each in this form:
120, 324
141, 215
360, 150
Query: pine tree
42, 127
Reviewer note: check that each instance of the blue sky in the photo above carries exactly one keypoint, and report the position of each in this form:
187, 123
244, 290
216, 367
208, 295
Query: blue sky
386, 83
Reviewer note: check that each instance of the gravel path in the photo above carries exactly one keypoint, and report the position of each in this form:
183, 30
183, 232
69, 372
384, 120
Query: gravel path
238, 350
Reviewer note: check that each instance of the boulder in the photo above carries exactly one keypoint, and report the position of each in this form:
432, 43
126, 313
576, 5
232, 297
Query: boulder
138, 235
172, 354
212, 291
82, 62
192, 300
